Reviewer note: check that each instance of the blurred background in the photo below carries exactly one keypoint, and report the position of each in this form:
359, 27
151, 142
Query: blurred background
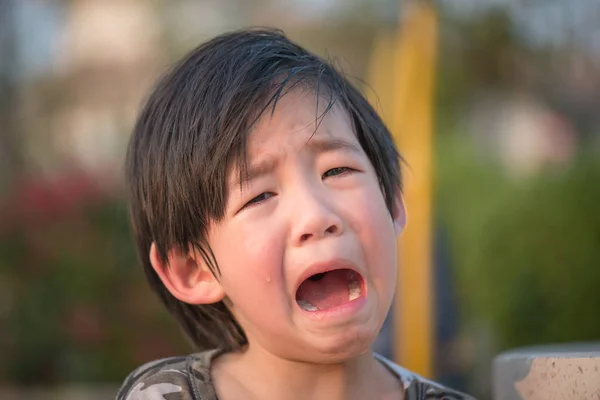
507, 143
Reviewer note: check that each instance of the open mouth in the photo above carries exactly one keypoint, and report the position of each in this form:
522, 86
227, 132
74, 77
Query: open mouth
329, 289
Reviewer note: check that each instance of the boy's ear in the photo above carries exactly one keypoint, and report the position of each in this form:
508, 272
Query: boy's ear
187, 277
400, 216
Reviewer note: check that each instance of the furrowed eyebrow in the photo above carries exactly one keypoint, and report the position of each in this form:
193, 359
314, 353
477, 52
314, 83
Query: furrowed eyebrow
254, 171
326, 145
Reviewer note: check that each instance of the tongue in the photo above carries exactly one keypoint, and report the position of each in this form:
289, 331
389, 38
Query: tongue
328, 292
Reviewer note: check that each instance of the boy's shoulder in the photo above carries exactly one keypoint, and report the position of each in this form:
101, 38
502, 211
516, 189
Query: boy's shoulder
416, 387
188, 377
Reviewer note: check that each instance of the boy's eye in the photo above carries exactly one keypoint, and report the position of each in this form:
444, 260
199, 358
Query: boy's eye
337, 171
260, 198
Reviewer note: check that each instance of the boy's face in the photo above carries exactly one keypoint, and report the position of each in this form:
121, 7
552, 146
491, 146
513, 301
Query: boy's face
312, 208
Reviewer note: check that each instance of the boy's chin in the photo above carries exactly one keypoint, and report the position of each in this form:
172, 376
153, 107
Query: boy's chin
338, 349
341, 355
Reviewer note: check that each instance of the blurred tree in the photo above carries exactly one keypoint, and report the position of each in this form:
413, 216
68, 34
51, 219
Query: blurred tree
491, 50
525, 253
10, 151
75, 307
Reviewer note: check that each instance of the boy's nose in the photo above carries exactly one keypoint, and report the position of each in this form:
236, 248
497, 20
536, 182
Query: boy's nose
314, 220
332, 230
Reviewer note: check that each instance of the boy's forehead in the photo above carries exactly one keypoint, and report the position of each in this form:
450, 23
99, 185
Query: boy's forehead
303, 118
300, 121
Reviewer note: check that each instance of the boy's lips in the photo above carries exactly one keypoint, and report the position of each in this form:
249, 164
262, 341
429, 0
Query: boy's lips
330, 285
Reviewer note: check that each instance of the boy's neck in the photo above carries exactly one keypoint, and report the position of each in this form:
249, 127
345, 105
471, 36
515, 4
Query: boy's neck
260, 375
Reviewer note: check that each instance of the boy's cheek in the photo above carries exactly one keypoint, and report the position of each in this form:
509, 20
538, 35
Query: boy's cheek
367, 212
376, 230
250, 264
258, 305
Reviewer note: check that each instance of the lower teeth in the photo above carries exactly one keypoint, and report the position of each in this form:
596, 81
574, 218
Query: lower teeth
305, 305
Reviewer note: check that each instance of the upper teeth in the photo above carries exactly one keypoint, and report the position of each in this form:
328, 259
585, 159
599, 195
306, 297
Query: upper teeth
354, 291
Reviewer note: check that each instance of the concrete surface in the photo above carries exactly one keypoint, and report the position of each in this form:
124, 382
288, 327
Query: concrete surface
557, 372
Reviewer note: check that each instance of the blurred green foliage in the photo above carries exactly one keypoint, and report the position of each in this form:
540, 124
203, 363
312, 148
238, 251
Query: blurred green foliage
76, 307
526, 252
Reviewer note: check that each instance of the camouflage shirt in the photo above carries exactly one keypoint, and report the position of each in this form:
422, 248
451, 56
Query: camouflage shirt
188, 378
